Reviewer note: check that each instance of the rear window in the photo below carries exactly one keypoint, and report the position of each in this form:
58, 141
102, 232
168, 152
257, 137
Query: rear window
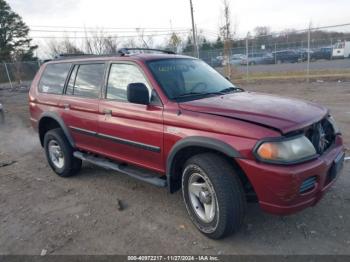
54, 78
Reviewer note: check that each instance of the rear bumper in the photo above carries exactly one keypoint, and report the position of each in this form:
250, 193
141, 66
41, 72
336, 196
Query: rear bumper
278, 187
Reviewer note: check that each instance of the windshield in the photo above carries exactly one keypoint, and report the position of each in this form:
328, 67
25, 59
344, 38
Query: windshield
189, 79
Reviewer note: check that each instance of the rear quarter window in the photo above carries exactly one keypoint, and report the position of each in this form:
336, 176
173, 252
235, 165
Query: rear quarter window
53, 79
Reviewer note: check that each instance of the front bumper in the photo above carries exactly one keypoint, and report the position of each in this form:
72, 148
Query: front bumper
278, 186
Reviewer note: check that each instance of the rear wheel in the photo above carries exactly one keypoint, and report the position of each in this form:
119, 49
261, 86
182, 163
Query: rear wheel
59, 153
213, 195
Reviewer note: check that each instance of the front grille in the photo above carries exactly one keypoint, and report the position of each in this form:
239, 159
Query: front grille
308, 184
321, 135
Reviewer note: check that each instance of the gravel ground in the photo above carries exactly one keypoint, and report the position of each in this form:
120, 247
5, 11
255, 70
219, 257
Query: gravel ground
41, 212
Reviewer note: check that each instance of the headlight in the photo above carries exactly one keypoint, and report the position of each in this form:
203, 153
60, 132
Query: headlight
285, 151
336, 129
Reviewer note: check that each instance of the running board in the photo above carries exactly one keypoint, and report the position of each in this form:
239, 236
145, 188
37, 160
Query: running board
145, 176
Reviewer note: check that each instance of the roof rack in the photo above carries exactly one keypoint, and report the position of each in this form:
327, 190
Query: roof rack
121, 52
126, 51
67, 56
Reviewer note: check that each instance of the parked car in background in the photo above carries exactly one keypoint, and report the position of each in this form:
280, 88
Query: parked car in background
303, 54
216, 61
258, 59
322, 53
341, 50
285, 56
236, 59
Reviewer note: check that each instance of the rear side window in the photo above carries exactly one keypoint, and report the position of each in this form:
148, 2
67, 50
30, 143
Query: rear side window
54, 78
85, 80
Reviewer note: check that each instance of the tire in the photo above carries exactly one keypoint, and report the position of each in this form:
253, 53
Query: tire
59, 154
223, 188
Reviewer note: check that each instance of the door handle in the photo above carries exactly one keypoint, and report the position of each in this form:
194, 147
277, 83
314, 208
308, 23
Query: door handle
66, 106
107, 111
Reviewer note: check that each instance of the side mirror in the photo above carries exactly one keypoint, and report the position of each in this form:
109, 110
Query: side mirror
137, 93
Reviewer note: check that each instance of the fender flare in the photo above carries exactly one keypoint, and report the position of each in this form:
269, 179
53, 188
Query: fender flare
205, 142
60, 121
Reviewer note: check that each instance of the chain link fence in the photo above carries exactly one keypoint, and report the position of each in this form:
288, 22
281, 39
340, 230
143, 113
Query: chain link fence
13, 74
315, 53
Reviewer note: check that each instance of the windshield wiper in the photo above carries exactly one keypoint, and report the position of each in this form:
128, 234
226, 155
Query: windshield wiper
221, 92
226, 91
230, 89
189, 94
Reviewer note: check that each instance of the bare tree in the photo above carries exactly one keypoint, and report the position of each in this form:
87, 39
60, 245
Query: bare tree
130, 42
94, 42
99, 43
110, 45
65, 46
226, 32
174, 42
140, 33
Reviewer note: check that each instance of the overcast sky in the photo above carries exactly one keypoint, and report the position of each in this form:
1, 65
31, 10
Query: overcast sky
278, 14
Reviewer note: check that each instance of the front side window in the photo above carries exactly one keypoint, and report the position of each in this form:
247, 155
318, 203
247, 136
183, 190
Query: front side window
86, 80
120, 76
189, 78
54, 78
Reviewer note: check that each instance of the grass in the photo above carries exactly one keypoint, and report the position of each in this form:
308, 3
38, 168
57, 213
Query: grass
292, 75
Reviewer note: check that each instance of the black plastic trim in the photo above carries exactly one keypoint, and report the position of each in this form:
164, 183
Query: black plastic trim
281, 139
117, 139
131, 143
59, 120
83, 131
198, 141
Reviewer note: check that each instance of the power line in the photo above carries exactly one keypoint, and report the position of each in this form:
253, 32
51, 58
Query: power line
102, 31
112, 28
115, 37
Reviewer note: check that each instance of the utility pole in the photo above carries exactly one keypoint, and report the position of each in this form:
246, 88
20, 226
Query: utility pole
308, 53
195, 46
247, 56
8, 75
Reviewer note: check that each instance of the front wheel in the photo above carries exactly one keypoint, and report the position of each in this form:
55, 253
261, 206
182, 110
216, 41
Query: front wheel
213, 195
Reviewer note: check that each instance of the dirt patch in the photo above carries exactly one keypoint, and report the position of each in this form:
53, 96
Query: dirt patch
102, 212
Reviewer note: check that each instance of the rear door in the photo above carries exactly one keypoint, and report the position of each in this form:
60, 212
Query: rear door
80, 104
49, 91
131, 132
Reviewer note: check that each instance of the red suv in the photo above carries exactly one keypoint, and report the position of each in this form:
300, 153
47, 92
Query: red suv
174, 122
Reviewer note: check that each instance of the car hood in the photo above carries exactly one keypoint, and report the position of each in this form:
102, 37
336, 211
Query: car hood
283, 114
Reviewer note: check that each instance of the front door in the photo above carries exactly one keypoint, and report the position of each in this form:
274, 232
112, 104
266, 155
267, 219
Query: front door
130, 132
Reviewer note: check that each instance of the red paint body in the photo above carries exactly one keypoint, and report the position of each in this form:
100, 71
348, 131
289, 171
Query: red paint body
238, 119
